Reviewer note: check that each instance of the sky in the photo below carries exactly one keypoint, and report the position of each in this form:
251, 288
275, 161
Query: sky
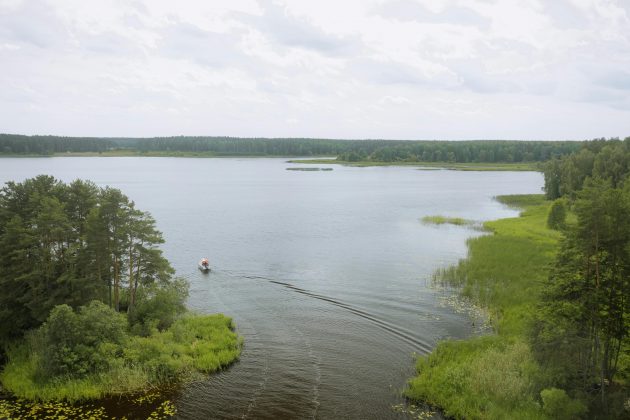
393, 69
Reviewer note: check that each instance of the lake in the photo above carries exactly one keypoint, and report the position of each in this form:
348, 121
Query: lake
326, 273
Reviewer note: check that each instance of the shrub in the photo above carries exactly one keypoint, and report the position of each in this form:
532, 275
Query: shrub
158, 307
75, 344
558, 405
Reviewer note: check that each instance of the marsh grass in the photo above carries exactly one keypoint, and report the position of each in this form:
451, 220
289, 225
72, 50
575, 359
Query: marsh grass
192, 346
441, 220
493, 377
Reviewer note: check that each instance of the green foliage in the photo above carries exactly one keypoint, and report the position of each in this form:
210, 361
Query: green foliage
557, 215
582, 324
604, 159
558, 405
75, 344
109, 361
481, 378
158, 307
65, 246
70, 244
203, 344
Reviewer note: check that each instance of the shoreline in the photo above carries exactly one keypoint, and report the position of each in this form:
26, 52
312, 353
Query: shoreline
469, 166
493, 375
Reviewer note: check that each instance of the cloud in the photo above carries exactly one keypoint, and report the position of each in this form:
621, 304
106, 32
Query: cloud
357, 68
396, 100
291, 31
186, 41
565, 14
34, 23
412, 11
389, 72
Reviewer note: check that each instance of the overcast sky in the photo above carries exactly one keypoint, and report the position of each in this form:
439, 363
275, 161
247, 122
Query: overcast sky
404, 69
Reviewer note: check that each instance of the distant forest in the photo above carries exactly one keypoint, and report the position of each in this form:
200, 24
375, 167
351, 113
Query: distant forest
482, 151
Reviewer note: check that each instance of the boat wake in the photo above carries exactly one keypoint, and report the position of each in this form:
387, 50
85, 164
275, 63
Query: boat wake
401, 333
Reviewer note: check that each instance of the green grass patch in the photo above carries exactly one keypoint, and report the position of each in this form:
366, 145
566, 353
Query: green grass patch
522, 201
192, 346
482, 378
442, 220
494, 377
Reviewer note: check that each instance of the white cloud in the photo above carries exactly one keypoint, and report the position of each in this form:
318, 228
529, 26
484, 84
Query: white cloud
357, 68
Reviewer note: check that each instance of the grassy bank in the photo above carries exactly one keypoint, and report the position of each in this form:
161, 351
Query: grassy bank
495, 376
192, 346
533, 166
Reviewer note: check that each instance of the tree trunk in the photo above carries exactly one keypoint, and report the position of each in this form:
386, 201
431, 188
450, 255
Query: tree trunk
116, 284
129, 306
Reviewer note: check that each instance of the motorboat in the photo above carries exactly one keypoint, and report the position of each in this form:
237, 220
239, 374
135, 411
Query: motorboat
204, 265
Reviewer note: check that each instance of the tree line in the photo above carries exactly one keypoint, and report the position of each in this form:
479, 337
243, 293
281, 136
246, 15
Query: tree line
582, 328
482, 151
600, 158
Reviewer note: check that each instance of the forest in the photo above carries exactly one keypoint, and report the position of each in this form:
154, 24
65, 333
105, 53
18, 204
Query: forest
89, 305
582, 331
480, 151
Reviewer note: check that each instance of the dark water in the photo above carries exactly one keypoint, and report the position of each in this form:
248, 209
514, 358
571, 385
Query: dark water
325, 273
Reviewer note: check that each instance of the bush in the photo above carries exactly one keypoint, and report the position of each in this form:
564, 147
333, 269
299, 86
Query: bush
558, 405
75, 344
158, 307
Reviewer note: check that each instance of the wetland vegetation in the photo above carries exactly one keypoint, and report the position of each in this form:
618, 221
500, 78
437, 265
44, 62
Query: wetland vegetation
442, 220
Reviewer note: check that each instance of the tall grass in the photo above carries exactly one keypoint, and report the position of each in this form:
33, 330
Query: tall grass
441, 220
193, 345
494, 377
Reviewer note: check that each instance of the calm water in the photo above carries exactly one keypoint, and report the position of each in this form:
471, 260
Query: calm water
325, 273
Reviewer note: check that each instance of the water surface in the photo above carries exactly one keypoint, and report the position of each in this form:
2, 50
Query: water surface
326, 273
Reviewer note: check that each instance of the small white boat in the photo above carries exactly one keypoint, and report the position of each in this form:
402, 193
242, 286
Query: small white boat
204, 265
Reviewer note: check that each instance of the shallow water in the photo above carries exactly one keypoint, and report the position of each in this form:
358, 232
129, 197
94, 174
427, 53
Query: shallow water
326, 273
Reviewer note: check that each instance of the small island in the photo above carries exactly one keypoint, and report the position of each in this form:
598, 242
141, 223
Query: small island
90, 307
